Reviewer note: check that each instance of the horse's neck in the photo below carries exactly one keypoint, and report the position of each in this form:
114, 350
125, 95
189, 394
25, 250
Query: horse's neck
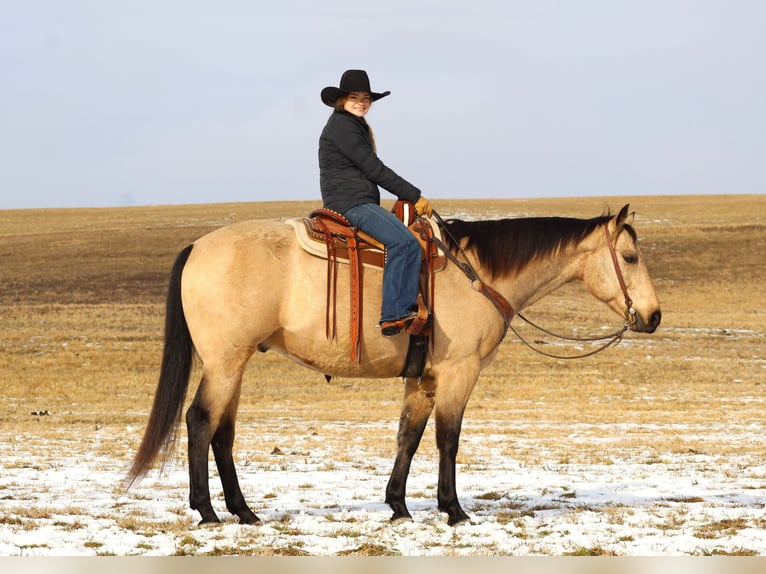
541, 277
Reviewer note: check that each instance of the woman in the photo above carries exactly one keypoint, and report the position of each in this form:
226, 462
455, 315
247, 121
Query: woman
349, 175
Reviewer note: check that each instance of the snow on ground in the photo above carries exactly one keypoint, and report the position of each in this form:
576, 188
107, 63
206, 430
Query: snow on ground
322, 503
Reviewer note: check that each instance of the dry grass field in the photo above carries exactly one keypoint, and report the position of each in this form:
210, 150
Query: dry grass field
81, 317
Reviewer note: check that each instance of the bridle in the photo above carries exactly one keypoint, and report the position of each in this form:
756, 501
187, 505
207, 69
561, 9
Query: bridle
612, 339
506, 310
630, 312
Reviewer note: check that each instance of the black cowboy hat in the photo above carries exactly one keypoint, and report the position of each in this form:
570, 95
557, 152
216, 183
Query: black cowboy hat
350, 81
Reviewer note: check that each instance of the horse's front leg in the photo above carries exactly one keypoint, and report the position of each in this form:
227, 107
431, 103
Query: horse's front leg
450, 406
417, 405
447, 439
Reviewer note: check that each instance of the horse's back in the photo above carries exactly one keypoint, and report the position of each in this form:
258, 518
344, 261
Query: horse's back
227, 261
251, 235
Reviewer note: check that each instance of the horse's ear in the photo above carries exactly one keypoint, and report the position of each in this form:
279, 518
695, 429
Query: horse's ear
625, 217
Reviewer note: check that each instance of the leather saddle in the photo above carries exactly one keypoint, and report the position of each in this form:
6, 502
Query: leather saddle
329, 235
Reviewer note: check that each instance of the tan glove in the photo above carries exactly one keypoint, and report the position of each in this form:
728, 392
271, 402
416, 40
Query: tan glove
423, 207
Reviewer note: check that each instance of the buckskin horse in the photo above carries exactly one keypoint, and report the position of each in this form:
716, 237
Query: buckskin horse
249, 287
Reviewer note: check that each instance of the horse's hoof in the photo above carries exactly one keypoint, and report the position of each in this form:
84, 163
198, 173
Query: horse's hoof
399, 519
458, 520
208, 522
250, 519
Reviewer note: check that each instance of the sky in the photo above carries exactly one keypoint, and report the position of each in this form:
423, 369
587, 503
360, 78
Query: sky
147, 102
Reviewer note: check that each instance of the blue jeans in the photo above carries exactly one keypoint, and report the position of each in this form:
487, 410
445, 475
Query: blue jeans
402, 270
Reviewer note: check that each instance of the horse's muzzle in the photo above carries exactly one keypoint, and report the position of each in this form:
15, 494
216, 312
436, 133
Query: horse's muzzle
647, 326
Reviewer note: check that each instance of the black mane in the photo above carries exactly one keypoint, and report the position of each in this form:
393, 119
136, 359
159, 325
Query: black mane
505, 246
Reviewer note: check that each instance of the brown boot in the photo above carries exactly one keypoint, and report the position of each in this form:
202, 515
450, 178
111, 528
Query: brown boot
389, 328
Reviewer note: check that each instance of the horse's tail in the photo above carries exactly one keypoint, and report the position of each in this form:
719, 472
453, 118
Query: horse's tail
161, 430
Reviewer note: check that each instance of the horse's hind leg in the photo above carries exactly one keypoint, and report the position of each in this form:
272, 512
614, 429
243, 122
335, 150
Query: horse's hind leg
416, 408
199, 435
223, 442
210, 420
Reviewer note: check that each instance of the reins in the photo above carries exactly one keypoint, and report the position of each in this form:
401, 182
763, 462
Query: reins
611, 340
506, 310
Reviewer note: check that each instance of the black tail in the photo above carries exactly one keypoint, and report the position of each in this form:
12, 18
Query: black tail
160, 433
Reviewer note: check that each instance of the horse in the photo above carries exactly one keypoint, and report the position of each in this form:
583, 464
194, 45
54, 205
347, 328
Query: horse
250, 287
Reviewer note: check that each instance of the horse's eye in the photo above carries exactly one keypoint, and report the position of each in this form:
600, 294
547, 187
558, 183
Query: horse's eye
630, 258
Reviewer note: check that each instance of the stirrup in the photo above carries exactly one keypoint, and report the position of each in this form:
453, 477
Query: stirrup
421, 325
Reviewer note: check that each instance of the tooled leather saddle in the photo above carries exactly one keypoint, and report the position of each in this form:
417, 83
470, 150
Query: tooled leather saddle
327, 234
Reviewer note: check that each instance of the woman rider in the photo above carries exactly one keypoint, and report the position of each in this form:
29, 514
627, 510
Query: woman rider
349, 175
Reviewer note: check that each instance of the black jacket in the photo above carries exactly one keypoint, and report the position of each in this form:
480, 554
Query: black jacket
350, 171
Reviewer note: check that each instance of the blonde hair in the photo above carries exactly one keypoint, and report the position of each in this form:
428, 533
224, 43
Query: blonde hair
339, 105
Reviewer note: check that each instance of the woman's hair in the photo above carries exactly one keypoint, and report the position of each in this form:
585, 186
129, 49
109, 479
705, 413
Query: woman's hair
339, 105
340, 102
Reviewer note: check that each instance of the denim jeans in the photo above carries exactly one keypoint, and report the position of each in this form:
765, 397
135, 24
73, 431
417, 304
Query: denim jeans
402, 270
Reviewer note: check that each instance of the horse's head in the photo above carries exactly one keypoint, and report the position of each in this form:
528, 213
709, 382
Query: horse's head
617, 275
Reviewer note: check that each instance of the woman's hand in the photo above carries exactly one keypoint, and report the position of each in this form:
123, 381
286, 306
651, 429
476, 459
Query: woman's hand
423, 207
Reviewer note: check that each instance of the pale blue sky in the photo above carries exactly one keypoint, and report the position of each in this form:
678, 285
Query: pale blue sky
112, 102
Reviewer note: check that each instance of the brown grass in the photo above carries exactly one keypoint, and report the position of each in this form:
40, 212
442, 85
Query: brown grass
82, 314
82, 306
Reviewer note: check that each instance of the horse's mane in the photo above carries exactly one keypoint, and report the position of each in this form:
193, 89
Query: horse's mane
506, 246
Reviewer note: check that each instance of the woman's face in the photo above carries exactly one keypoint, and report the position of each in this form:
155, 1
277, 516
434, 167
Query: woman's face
358, 103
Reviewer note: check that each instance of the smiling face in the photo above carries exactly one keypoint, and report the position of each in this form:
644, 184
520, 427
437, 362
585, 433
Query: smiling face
357, 103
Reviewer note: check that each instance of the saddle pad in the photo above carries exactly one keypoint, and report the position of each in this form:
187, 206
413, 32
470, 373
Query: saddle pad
371, 257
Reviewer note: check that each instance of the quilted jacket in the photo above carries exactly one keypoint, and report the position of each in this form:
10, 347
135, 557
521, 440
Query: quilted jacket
350, 170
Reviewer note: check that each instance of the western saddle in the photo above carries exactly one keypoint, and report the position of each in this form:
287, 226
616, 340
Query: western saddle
326, 233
